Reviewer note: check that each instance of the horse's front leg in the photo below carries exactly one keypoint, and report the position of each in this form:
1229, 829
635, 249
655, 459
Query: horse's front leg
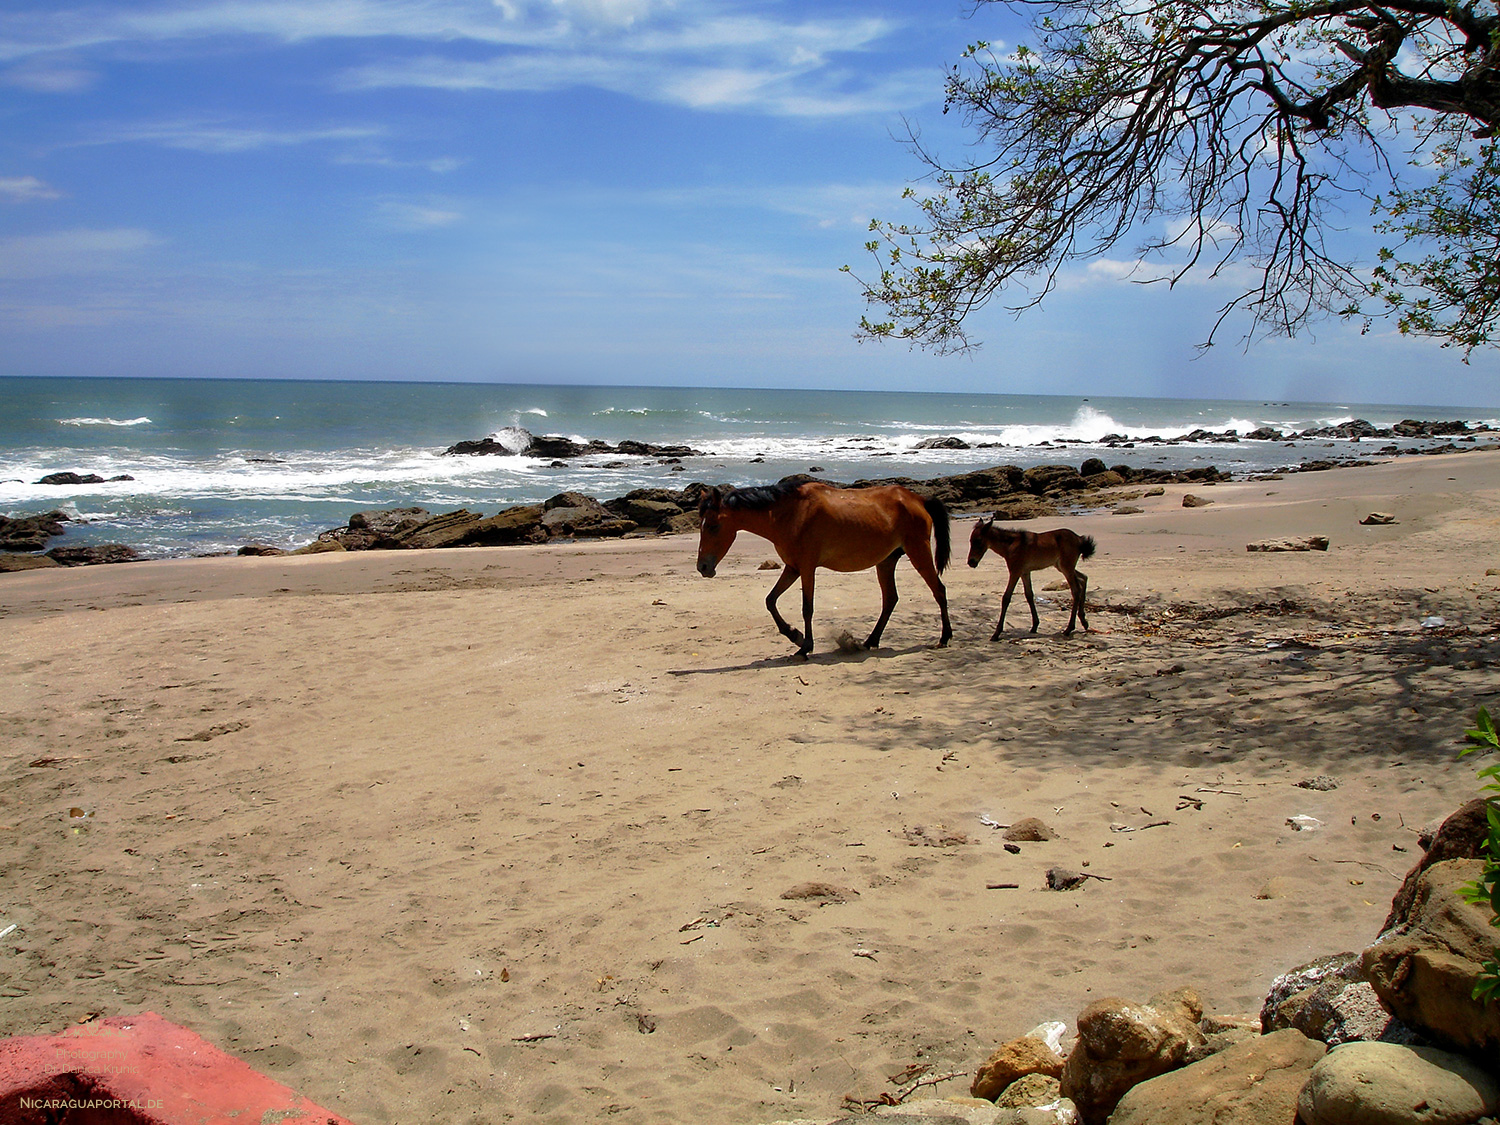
1030, 600
789, 574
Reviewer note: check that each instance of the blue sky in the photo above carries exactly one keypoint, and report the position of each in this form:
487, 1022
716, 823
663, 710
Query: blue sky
582, 191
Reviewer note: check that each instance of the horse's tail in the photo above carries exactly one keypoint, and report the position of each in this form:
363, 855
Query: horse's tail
1086, 547
939, 513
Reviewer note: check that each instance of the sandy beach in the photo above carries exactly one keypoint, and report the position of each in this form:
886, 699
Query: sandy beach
504, 833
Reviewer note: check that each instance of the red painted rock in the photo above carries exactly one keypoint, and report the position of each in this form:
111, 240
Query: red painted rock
140, 1070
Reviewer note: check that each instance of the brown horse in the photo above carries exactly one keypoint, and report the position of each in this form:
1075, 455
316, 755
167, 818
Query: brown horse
1025, 551
812, 524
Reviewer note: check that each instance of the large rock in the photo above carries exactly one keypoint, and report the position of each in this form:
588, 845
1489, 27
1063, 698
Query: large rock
1122, 1044
451, 529
30, 533
71, 478
1330, 1000
573, 513
1425, 968
509, 526
92, 556
11, 563
1255, 1082
1389, 1084
1013, 1060
1461, 836
377, 529
1337, 1012
1335, 967
1042, 479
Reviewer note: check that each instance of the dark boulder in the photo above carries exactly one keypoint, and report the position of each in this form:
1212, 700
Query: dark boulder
1042, 479
91, 556
647, 449
30, 533
1410, 427
71, 478
942, 443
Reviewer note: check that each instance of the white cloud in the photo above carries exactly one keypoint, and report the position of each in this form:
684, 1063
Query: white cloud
405, 215
68, 252
220, 137
697, 53
49, 76
24, 189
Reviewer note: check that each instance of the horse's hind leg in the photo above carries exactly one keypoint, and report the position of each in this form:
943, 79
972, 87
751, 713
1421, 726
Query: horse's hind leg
1030, 600
920, 554
789, 574
885, 570
1080, 596
807, 609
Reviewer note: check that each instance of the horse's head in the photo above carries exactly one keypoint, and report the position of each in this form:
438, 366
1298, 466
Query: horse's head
977, 543
714, 539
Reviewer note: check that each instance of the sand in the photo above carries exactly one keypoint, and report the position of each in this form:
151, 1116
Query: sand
503, 834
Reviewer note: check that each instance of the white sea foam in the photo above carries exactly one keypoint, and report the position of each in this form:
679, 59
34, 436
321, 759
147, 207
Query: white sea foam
142, 421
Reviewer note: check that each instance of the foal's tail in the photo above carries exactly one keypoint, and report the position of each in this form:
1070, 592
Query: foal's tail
1086, 547
939, 513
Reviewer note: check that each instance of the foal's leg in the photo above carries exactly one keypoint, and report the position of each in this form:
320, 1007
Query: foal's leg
1073, 587
920, 554
789, 575
1010, 588
885, 570
1080, 596
1031, 601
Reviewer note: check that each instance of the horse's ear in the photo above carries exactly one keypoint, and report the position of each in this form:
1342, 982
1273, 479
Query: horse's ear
711, 499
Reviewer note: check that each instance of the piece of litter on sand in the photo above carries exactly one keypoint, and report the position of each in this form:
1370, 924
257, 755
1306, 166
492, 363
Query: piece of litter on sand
990, 822
1433, 622
1304, 823
8, 929
870, 953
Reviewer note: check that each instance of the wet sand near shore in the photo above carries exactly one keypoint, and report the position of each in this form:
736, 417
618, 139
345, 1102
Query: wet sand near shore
503, 834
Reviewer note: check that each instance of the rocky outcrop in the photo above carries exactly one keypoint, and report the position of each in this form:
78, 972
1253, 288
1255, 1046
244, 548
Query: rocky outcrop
82, 478
1461, 835
573, 513
30, 533
93, 555
519, 442
1333, 969
1389, 1084
1425, 967
1300, 543
1255, 1082
1122, 1044
10, 563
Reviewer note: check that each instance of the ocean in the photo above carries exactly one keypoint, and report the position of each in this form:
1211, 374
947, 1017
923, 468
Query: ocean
218, 463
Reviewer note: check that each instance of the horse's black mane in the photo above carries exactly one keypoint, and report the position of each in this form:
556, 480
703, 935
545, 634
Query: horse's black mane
759, 497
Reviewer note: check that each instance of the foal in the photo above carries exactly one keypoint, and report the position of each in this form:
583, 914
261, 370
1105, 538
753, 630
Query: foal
1025, 551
